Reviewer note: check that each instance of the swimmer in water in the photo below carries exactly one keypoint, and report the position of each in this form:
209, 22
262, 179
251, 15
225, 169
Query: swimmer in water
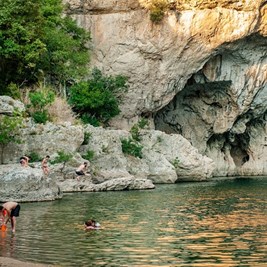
91, 224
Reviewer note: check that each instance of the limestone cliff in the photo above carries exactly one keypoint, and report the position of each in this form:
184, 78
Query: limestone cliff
200, 72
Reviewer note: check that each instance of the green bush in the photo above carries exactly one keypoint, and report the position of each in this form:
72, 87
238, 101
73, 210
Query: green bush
176, 162
88, 119
35, 157
11, 90
135, 132
157, 8
89, 155
130, 147
97, 97
40, 116
87, 137
40, 100
62, 157
142, 123
156, 14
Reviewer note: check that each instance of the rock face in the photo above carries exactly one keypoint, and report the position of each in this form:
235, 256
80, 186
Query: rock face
166, 158
45, 140
8, 105
201, 72
26, 184
163, 158
117, 184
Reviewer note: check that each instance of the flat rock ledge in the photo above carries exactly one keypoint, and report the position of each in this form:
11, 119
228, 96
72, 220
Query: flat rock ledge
118, 184
26, 184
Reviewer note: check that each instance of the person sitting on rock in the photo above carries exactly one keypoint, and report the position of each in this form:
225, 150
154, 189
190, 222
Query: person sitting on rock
81, 170
24, 161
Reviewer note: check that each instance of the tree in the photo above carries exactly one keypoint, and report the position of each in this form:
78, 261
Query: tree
20, 41
37, 42
9, 130
99, 96
40, 101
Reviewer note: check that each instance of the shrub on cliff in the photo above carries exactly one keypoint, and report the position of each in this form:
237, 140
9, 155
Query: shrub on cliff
39, 102
131, 147
97, 97
157, 8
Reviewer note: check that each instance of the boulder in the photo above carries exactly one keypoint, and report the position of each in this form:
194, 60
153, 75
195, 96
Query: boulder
45, 139
118, 184
23, 184
8, 105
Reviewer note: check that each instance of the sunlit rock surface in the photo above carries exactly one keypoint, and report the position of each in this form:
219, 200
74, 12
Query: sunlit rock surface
200, 72
165, 158
8, 105
117, 184
45, 140
26, 184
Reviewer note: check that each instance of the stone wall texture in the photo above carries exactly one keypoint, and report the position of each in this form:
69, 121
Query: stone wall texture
200, 72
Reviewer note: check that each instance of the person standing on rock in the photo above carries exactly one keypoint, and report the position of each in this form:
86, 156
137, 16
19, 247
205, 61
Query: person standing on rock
45, 165
11, 209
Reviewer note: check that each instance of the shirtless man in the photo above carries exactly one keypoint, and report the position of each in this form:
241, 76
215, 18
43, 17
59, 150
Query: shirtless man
45, 165
81, 170
12, 210
24, 161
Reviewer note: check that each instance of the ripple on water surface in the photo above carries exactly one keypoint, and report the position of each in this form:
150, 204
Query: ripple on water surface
219, 223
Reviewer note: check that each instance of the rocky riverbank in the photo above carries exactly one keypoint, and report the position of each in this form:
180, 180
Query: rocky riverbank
163, 158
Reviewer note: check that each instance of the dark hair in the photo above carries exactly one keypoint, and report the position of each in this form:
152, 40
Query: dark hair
47, 156
1, 207
90, 223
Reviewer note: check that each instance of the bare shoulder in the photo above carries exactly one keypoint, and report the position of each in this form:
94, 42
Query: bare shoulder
10, 205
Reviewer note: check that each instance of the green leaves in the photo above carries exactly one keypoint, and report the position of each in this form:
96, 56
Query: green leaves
131, 147
98, 97
35, 38
39, 102
9, 130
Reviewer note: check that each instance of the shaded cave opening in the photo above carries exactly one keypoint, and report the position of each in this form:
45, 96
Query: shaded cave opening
236, 144
199, 102
192, 113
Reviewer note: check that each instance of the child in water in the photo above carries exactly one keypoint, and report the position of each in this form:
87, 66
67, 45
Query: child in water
91, 224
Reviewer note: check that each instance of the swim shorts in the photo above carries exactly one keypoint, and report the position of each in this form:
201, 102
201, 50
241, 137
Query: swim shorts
15, 212
79, 173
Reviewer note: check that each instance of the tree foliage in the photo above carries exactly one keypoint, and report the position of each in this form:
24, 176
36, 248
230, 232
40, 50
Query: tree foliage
40, 100
9, 131
98, 97
37, 42
131, 147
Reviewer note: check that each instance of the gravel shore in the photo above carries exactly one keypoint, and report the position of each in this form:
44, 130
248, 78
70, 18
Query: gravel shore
8, 262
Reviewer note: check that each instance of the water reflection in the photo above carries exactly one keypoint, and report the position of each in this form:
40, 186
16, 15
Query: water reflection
220, 223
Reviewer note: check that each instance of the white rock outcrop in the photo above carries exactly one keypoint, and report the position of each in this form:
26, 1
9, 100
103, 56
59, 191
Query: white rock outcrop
26, 184
200, 72
8, 105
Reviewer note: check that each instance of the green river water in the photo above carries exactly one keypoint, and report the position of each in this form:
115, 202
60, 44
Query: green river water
217, 223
